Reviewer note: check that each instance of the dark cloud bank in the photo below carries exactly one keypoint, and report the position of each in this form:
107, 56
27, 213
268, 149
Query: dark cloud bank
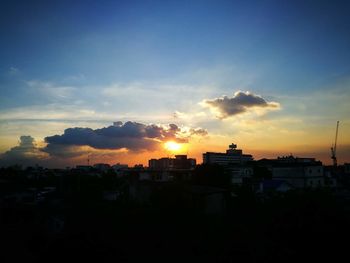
131, 136
240, 102
26, 153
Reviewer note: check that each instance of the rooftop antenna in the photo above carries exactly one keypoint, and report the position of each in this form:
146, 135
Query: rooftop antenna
334, 147
232, 146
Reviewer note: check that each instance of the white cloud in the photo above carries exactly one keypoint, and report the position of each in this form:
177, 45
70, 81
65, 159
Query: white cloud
51, 90
13, 71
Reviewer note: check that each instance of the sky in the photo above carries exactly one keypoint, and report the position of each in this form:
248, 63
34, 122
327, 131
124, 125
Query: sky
115, 81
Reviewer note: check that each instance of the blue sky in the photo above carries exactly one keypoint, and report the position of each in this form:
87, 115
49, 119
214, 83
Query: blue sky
146, 40
144, 60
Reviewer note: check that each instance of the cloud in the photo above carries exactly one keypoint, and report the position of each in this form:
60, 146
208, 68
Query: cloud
13, 71
53, 111
26, 153
75, 144
118, 96
198, 131
51, 90
131, 136
65, 151
240, 103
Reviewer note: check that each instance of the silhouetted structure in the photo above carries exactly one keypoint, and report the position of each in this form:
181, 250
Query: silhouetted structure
232, 156
103, 167
334, 147
298, 172
179, 162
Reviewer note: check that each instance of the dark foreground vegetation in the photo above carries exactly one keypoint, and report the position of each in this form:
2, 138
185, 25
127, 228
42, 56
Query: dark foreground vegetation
75, 222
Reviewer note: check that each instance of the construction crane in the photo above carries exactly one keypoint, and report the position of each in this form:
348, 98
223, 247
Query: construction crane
334, 147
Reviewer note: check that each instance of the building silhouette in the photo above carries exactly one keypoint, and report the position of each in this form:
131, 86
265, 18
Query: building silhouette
232, 156
179, 162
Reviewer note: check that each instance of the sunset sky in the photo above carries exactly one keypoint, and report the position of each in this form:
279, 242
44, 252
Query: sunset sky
116, 81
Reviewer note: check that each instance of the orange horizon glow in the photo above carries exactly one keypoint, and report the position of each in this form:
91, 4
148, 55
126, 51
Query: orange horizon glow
196, 150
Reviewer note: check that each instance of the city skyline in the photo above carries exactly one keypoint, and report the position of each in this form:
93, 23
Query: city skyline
127, 81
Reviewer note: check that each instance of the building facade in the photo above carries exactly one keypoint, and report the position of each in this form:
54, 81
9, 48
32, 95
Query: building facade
298, 172
232, 156
179, 162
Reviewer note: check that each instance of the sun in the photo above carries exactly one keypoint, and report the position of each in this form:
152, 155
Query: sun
172, 146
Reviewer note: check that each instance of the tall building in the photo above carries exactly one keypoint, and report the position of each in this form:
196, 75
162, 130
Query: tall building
232, 156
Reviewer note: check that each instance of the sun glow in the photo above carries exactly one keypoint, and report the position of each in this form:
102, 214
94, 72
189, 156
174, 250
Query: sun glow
172, 146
